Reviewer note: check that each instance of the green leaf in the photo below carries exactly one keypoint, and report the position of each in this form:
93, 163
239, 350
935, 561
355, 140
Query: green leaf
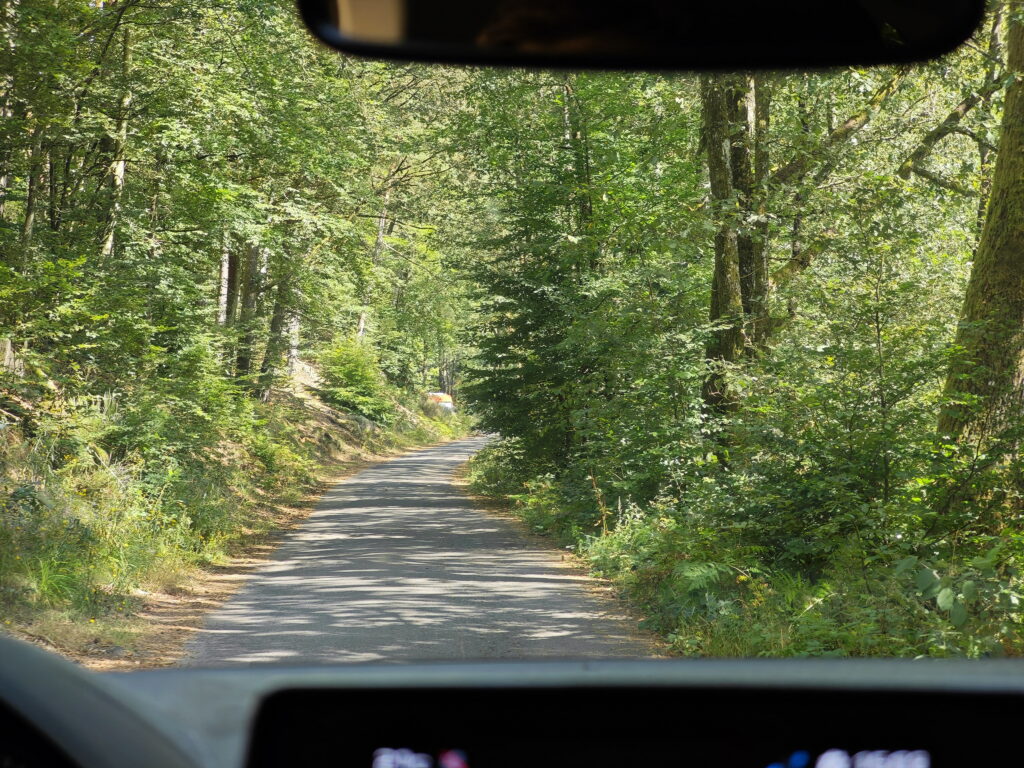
945, 598
905, 564
958, 614
925, 578
986, 561
970, 590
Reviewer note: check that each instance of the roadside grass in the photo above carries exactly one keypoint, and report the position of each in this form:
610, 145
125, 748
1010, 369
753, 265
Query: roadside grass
91, 531
707, 584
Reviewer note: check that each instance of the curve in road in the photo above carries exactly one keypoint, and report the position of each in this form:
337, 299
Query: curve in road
395, 564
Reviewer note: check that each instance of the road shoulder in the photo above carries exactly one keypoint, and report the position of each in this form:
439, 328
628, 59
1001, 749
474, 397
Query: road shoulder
600, 589
156, 633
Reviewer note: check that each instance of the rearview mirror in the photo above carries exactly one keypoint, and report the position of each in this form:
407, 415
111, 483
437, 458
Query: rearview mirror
646, 34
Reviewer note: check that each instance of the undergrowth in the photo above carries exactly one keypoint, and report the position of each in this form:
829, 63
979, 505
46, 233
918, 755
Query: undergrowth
715, 575
101, 502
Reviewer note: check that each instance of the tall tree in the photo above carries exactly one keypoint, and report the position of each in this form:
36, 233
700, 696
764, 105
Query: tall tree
723, 100
985, 385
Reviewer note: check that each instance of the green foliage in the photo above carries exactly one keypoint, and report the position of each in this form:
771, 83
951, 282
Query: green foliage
712, 587
83, 521
818, 513
353, 381
181, 232
544, 247
499, 468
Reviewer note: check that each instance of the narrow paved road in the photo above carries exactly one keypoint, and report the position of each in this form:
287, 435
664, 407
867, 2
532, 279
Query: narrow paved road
395, 564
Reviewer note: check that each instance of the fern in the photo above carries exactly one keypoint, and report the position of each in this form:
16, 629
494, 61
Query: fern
699, 577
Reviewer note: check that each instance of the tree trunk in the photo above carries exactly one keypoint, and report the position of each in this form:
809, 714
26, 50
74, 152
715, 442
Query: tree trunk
277, 341
987, 153
294, 333
54, 192
727, 340
227, 283
985, 385
985, 162
67, 186
749, 104
35, 172
383, 230
446, 369
8, 26
736, 122
250, 289
5, 176
232, 285
8, 359
118, 161
577, 142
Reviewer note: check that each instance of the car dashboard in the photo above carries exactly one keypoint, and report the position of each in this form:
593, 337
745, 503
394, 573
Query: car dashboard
811, 713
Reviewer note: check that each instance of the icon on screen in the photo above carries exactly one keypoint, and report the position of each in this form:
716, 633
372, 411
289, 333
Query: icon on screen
838, 758
401, 758
407, 758
452, 758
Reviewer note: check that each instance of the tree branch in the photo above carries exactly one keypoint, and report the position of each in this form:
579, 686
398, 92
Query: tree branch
938, 181
972, 135
946, 127
799, 167
800, 260
391, 219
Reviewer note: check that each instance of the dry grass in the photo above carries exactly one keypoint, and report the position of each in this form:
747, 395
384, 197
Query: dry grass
150, 626
153, 631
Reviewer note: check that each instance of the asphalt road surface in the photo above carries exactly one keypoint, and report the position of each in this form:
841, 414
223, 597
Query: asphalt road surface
395, 564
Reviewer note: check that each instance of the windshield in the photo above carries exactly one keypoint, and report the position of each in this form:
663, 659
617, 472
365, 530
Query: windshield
305, 357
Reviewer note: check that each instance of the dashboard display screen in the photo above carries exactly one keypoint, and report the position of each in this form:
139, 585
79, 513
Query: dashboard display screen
549, 755
642, 728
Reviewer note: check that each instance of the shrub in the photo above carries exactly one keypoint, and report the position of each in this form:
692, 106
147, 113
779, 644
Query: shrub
353, 381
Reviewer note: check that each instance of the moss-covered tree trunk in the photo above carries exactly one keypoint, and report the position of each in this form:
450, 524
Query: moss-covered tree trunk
985, 384
727, 340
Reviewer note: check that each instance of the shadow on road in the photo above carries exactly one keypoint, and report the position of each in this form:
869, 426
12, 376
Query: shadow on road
396, 565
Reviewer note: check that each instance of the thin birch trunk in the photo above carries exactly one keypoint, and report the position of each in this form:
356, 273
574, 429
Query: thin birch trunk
294, 336
233, 285
383, 230
223, 285
119, 163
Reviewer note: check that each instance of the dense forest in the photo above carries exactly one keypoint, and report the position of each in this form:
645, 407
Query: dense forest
753, 343
209, 228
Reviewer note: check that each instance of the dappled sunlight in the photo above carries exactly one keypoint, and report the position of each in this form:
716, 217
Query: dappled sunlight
396, 565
